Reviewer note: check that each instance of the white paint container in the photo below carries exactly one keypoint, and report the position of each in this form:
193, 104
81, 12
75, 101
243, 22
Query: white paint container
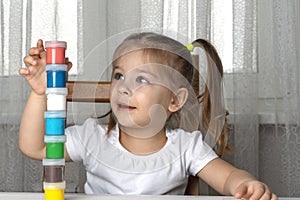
56, 98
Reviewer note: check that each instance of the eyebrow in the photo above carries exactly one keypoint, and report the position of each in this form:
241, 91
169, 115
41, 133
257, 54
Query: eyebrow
147, 72
116, 67
139, 70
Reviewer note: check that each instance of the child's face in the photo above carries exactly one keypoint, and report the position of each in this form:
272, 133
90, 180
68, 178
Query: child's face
139, 95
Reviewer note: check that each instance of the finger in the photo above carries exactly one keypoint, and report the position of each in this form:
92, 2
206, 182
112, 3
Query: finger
43, 55
23, 71
266, 195
258, 192
30, 61
274, 197
69, 64
240, 191
40, 46
34, 51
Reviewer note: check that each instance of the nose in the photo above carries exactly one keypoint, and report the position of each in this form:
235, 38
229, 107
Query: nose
124, 87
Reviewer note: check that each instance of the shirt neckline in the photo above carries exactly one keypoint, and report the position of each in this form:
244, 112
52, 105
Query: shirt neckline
114, 140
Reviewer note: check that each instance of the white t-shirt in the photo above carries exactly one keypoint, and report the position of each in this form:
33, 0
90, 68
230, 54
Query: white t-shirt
111, 169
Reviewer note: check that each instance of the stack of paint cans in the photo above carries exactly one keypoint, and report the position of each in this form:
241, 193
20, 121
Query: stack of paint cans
55, 119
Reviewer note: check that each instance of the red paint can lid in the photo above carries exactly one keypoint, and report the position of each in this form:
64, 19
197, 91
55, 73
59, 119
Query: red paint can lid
53, 44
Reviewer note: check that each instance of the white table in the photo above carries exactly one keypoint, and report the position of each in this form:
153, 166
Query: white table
40, 196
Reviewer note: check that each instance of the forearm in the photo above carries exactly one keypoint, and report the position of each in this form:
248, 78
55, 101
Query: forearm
32, 128
236, 178
228, 180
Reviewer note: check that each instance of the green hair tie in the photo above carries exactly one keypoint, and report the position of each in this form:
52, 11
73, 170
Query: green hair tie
190, 47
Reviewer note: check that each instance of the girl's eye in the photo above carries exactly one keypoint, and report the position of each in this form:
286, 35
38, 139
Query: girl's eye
141, 79
118, 76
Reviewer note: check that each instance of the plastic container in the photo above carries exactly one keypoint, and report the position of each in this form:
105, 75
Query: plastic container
55, 52
55, 146
54, 191
53, 162
54, 170
56, 75
56, 98
55, 122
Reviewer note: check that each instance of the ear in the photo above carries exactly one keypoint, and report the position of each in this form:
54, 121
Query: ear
178, 100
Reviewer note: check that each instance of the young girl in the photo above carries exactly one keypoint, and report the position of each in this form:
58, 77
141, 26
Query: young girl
151, 144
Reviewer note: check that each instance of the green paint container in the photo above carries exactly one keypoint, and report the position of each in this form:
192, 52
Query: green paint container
55, 146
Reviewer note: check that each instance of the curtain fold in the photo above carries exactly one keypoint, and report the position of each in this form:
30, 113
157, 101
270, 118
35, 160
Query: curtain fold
280, 140
245, 88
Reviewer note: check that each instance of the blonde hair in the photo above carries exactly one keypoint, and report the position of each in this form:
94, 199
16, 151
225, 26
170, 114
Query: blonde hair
167, 51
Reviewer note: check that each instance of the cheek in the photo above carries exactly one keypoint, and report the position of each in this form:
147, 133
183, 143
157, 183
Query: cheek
110, 94
112, 98
112, 91
143, 96
146, 99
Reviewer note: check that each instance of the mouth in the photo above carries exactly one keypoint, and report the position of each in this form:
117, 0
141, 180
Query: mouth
126, 107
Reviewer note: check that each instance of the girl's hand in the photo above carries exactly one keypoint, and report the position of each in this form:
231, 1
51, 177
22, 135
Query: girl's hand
35, 72
254, 190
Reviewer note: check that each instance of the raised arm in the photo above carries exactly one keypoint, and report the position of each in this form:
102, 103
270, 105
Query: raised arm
32, 127
228, 180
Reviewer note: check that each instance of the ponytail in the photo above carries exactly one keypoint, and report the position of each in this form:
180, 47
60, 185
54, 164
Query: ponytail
209, 102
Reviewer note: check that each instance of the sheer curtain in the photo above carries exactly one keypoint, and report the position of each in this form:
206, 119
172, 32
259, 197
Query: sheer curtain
264, 100
14, 167
262, 84
22, 24
278, 87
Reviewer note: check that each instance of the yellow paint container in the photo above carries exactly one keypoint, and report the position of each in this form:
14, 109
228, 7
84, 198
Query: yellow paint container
54, 191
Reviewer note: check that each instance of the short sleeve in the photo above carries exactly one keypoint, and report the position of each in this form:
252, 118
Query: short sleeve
81, 139
199, 154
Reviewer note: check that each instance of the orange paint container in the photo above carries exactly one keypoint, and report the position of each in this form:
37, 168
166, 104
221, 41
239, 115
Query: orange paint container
55, 52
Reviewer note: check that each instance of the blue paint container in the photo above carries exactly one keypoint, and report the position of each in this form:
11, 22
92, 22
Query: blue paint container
55, 122
56, 75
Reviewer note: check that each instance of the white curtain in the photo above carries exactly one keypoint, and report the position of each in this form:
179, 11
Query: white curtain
262, 83
22, 24
263, 92
278, 95
14, 167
